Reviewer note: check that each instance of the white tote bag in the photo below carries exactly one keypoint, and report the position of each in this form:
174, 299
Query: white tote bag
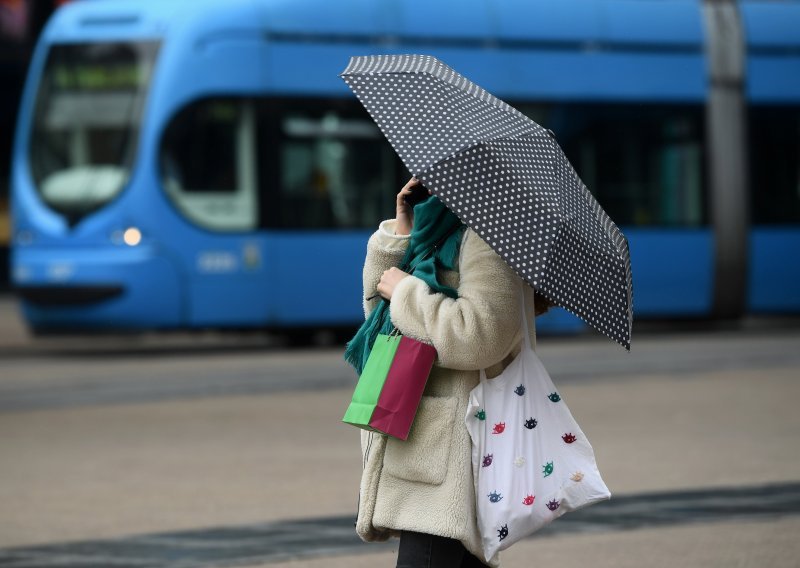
531, 461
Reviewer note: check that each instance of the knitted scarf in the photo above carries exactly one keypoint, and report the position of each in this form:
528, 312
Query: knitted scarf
432, 221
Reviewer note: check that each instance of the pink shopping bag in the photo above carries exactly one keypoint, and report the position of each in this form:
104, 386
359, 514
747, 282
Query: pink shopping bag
402, 392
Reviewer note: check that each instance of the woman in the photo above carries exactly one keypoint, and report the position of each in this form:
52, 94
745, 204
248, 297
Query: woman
465, 301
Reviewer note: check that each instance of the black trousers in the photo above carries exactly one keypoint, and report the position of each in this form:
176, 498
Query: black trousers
418, 550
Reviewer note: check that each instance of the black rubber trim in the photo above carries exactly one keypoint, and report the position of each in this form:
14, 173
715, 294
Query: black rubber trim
68, 295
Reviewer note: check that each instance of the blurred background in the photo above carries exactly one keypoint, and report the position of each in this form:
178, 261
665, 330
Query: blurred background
170, 169
20, 25
172, 160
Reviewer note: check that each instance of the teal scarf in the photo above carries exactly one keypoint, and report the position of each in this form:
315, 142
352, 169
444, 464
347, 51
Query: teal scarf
432, 221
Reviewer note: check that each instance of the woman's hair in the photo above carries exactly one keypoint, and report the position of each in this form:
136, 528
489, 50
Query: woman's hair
540, 303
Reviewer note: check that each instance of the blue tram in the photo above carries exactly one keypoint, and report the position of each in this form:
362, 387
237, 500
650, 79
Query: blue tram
199, 163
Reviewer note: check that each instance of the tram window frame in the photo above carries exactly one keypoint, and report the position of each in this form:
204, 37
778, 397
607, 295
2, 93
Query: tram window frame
221, 201
353, 199
773, 140
640, 193
84, 134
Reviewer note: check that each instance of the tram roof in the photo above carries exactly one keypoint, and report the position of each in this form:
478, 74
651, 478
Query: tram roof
471, 34
590, 24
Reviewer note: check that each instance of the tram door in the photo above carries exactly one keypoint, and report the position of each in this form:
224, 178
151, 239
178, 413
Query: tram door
208, 171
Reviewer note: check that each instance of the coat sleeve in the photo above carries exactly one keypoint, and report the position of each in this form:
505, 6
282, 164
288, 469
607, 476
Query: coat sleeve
384, 250
481, 326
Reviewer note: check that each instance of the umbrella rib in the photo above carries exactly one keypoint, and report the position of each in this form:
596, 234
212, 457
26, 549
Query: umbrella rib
470, 145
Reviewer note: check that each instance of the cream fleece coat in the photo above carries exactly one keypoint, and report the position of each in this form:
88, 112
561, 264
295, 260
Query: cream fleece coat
425, 484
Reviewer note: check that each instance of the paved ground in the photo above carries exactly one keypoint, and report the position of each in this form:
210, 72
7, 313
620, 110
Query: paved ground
331, 537
120, 455
718, 545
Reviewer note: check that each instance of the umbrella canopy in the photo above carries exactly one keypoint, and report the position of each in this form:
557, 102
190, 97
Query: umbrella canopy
507, 178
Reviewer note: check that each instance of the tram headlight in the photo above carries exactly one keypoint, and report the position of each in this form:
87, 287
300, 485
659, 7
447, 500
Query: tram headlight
132, 236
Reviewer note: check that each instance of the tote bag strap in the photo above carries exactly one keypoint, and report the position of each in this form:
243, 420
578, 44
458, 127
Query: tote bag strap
526, 335
526, 338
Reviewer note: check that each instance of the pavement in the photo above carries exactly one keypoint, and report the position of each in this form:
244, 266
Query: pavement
115, 458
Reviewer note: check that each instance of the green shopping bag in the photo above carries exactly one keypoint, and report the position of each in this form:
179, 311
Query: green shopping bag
371, 381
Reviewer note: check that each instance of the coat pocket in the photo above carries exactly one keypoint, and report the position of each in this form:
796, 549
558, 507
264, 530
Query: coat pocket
424, 456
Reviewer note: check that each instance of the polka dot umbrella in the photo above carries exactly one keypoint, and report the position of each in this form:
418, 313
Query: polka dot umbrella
507, 178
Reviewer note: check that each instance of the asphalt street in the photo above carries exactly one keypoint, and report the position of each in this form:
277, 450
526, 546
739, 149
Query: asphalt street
214, 451
121, 371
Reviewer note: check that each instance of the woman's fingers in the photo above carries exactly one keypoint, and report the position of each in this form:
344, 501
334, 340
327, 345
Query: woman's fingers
389, 279
406, 191
405, 213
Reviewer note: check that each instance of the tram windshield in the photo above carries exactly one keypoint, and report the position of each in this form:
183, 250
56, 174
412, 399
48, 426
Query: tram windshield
86, 122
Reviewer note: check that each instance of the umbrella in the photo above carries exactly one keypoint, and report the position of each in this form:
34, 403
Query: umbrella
507, 178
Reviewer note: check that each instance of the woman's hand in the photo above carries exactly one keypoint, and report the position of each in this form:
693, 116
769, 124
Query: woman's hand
405, 212
389, 280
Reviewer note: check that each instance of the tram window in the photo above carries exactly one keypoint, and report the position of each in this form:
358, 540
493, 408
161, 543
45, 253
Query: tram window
644, 164
326, 166
86, 122
774, 145
207, 163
